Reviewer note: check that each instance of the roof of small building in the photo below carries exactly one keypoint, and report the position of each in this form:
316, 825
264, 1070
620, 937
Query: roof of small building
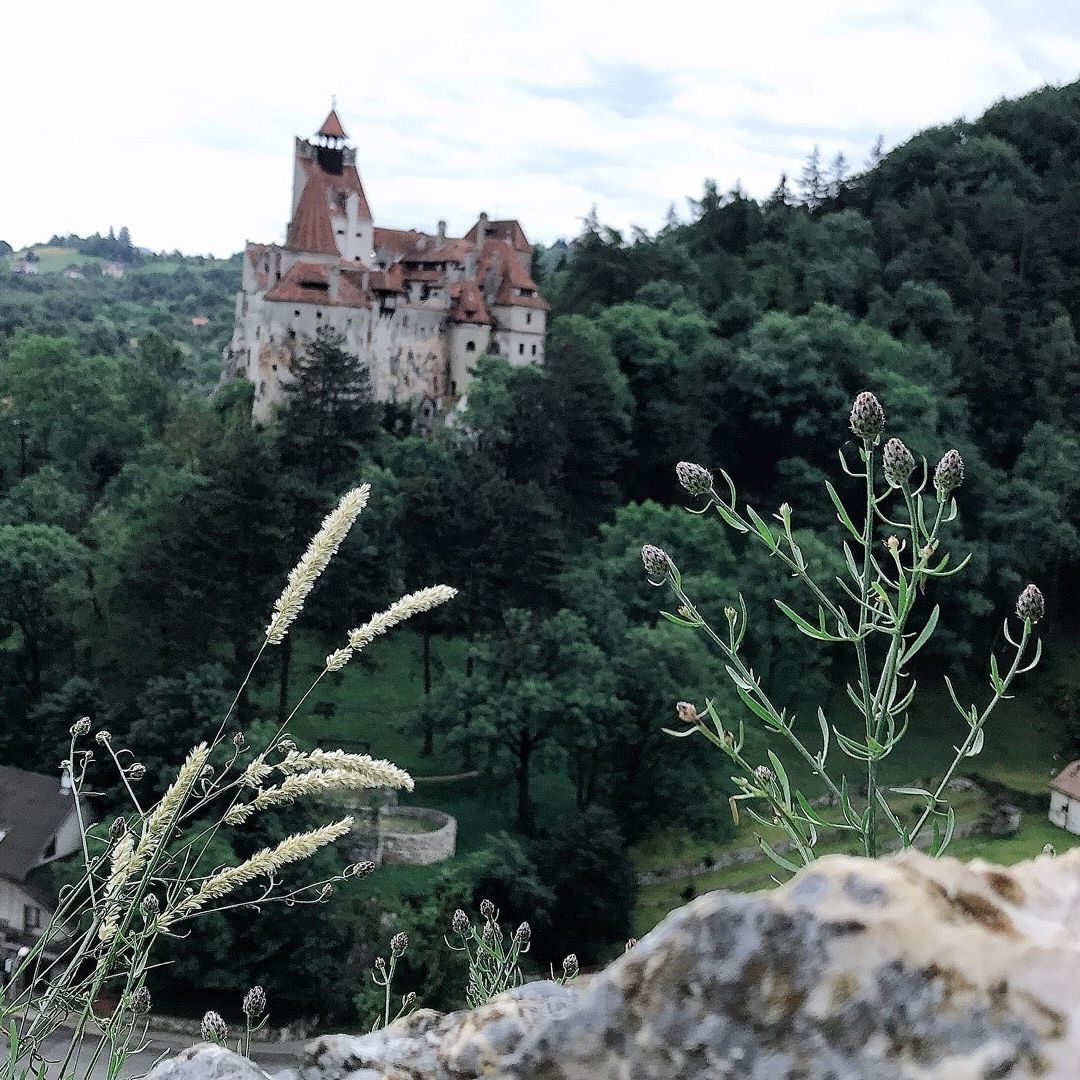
499, 258
508, 229
1068, 781
331, 127
311, 283
467, 304
32, 809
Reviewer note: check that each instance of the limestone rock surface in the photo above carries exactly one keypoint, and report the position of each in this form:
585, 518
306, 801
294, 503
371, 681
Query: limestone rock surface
206, 1062
907, 968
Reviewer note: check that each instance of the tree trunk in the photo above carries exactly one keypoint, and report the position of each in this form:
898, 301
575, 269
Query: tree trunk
283, 680
429, 720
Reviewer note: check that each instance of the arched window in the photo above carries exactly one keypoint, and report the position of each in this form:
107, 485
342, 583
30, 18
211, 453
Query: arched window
470, 346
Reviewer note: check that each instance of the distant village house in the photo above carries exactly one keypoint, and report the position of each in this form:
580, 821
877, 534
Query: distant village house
38, 824
1065, 798
419, 308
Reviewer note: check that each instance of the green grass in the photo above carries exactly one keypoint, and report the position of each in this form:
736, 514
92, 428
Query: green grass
54, 260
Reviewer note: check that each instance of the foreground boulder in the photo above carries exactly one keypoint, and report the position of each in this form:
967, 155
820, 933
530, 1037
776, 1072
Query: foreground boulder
904, 969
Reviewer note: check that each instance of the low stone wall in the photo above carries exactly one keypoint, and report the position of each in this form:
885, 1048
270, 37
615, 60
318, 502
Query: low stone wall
418, 848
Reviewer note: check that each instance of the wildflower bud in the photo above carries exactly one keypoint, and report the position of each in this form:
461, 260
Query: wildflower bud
207, 772
570, 967
899, 463
1031, 604
398, 944
487, 908
380, 963
255, 1003
460, 922
363, 869
1049, 849
729, 738
326, 892
867, 416
150, 906
213, 1029
523, 933
103, 737
117, 829
686, 613
764, 774
731, 615
80, 727
630, 943
687, 713
140, 1001
490, 934
239, 741
695, 478
657, 563
409, 999
893, 544
137, 771
949, 474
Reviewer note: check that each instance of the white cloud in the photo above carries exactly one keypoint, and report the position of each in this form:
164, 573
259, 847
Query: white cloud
177, 121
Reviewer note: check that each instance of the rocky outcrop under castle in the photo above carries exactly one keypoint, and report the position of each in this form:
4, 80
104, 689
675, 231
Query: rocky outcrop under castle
904, 969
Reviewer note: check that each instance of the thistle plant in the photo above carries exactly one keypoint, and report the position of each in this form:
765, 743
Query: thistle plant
872, 611
383, 975
148, 874
494, 956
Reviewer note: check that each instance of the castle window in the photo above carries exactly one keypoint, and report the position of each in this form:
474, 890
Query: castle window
470, 346
341, 232
292, 334
297, 313
528, 317
356, 257
318, 314
534, 350
258, 333
521, 349
453, 388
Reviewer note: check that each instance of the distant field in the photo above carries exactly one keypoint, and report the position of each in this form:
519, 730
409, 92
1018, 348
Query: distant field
54, 260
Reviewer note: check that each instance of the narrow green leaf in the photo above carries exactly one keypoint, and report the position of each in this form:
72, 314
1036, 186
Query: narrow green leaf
762, 527
679, 621
784, 864
737, 678
782, 776
841, 512
808, 628
770, 721
730, 518
824, 735
924, 635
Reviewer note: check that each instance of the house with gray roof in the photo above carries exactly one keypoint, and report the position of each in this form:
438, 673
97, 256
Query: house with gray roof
38, 825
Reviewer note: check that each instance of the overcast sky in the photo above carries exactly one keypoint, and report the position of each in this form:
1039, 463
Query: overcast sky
177, 119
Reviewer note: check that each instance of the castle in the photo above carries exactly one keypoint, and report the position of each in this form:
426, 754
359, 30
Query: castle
418, 308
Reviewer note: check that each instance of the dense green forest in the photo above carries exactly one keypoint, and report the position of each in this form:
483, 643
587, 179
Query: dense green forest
146, 526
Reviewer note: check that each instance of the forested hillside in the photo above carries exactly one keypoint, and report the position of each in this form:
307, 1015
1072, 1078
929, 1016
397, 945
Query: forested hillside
146, 526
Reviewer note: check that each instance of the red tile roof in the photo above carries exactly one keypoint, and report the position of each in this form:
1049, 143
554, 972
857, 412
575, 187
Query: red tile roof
467, 304
324, 194
398, 241
508, 229
387, 280
1068, 781
498, 258
310, 283
331, 127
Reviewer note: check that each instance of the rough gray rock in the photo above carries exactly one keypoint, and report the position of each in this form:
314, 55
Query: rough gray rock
907, 968
206, 1062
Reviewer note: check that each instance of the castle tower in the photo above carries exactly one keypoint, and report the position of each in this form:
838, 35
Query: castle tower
331, 218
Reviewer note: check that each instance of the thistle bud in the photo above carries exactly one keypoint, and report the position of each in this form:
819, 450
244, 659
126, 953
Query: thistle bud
103, 737
731, 615
137, 771
570, 967
140, 1001
380, 963
630, 943
657, 564
893, 544
696, 479
398, 944
1031, 604
460, 922
1049, 849
408, 1000
255, 1003
764, 774
117, 829
487, 908
362, 869
150, 906
286, 746
687, 713
898, 463
80, 727
213, 1029
949, 474
207, 772
523, 933
867, 416
239, 741
489, 935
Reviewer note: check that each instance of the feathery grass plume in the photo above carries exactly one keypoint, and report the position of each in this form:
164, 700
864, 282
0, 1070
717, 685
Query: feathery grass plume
412, 604
324, 545
338, 659
264, 863
120, 863
257, 771
312, 782
378, 772
172, 802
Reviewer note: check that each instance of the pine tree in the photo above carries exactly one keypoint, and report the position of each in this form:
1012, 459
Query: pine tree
877, 152
781, 194
812, 185
838, 173
330, 412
